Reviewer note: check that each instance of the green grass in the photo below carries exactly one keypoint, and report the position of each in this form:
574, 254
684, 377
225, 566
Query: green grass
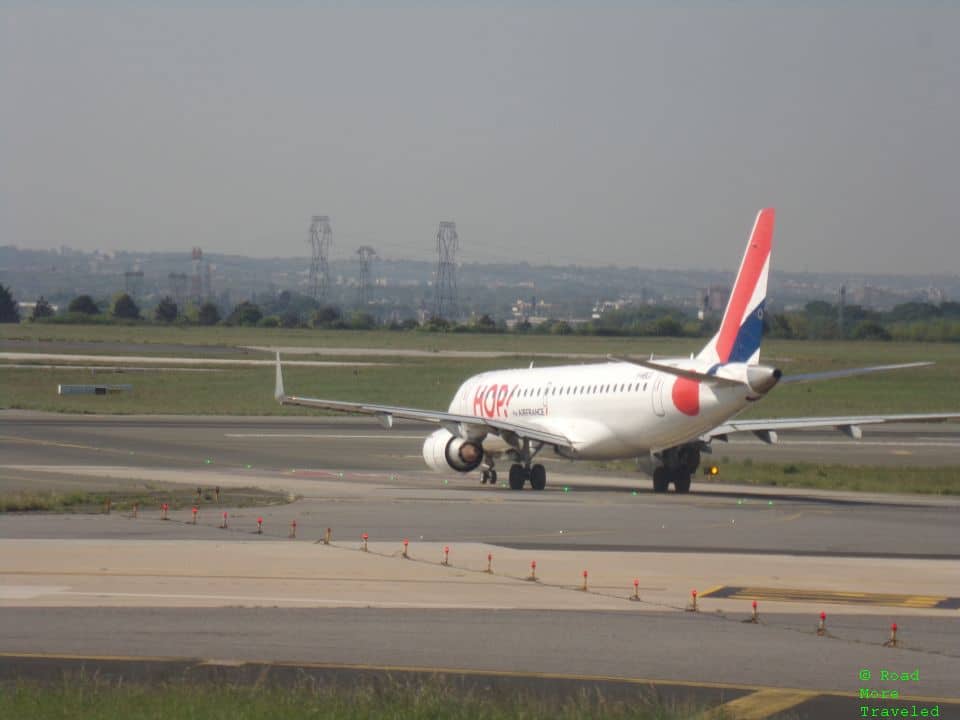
178, 497
430, 382
924, 480
407, 340
431, 700
883, 479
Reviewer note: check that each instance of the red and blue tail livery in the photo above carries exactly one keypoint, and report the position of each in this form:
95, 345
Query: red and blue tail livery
738, 339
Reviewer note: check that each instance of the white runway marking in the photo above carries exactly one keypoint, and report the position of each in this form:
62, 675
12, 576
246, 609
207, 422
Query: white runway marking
36, 592
159, 360
325, 436
28, 592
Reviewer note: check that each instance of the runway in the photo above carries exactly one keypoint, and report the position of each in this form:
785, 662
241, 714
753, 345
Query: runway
114, 585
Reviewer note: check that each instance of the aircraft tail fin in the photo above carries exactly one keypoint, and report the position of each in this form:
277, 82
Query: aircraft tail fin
738, 339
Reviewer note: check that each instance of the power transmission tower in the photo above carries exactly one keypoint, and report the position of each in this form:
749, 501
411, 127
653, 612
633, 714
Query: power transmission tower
366, 255
445, 288
133, 283
840, 309
321, 240
196, 278
178, 289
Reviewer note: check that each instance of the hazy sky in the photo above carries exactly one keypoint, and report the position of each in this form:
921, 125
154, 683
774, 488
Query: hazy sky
628, 134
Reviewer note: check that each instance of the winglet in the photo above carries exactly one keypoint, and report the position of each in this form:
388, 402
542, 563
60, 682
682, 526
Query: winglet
278, 390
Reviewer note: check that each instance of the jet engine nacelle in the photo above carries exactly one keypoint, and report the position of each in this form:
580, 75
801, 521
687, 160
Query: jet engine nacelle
443, 451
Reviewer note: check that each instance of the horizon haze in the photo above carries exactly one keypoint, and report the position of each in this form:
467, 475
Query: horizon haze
642, 136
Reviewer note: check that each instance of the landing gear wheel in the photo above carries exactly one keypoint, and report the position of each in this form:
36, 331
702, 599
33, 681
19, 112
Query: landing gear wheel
518, 475
681, 481
661, 480
538, 477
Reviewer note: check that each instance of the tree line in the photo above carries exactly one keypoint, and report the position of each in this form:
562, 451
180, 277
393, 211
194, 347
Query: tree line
817, 320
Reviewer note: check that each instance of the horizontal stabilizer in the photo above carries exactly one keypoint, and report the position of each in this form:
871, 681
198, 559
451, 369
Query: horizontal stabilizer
679, 372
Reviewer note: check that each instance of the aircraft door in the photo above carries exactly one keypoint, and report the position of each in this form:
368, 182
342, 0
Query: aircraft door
656, 394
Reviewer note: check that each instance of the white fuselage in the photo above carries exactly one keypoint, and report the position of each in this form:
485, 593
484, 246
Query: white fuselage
609, 410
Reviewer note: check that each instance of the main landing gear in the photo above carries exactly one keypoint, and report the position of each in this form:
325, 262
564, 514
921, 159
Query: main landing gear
662, 477
677, 466
522, 470
520, 474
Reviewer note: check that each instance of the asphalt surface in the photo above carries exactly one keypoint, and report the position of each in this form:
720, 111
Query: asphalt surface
359, 478
353, 477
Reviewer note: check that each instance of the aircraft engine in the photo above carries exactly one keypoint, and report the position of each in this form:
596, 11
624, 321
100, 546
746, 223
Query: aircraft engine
443, 451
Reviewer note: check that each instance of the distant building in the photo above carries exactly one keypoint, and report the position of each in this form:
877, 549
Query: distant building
712, 300
528, 309
26, 308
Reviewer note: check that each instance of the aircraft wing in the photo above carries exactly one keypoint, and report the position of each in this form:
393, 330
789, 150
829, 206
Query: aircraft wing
766, 429
454, 423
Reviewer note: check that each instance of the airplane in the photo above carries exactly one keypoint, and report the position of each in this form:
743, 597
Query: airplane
667, 410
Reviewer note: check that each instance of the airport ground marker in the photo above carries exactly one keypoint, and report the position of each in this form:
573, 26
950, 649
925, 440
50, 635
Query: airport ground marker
892, 642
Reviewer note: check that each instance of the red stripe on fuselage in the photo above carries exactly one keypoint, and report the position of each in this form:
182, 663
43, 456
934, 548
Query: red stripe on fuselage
756, 256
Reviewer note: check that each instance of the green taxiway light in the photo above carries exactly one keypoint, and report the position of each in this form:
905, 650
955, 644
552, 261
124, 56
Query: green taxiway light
445, 481
634, 493
208, 461
566, 488
248, 466
739, 502
769, 502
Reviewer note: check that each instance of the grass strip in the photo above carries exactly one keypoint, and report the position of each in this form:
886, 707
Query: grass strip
889, 479
53, 501
93, 699
943, 480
